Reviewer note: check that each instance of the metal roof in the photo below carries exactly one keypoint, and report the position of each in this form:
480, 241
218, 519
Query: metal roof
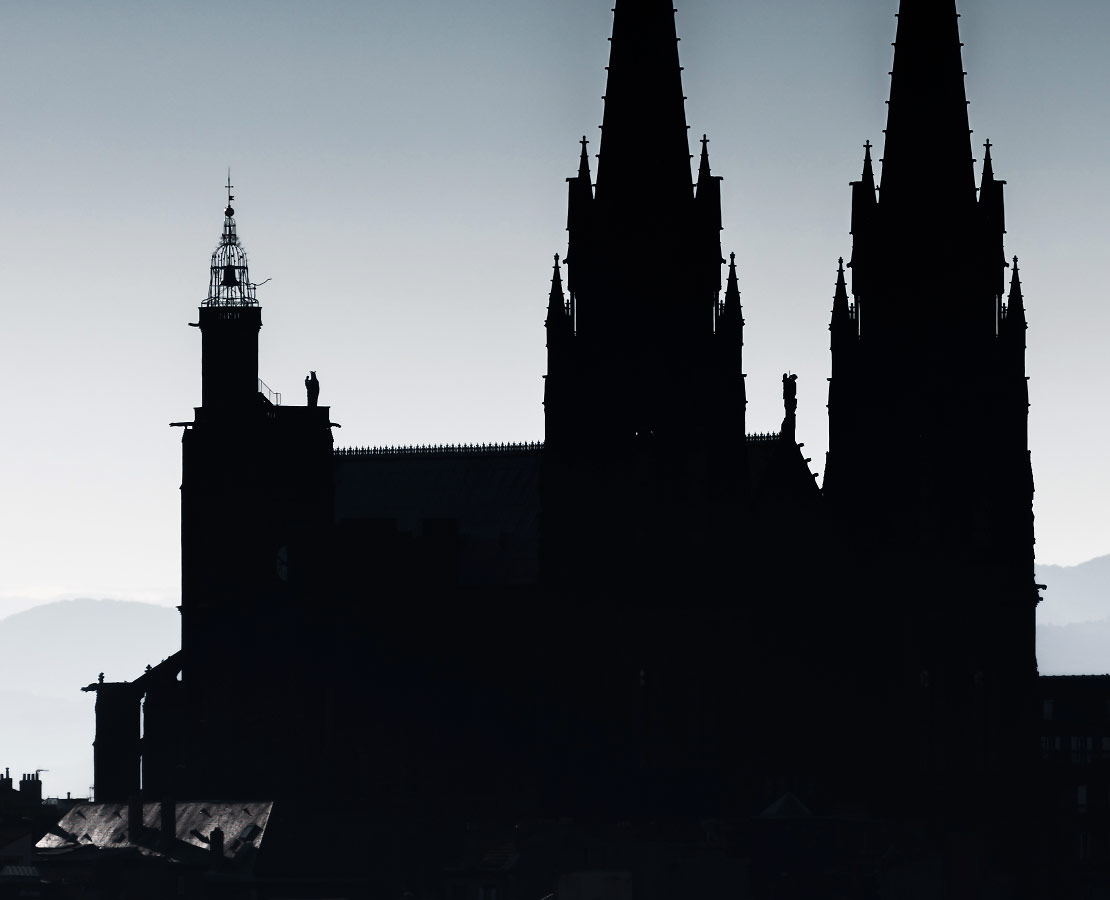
104, 826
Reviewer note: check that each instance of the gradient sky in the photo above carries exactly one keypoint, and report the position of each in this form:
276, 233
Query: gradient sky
399, 172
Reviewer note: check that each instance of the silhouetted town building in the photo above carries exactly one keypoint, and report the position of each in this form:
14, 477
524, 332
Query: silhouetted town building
654, 616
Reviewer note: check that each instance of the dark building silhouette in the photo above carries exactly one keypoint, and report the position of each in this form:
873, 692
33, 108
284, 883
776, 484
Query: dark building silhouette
653, 613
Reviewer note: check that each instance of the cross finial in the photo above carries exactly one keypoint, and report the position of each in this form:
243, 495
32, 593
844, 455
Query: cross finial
867, 146
704, 142
583, 142
988, 145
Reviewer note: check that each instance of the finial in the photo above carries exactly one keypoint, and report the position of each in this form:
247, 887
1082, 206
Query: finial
868, 179
732, 259
841, 264
704, 142
229, 212
556, 260
584, 162
1015, 282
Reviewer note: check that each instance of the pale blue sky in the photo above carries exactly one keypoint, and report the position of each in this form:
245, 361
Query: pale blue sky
399, 172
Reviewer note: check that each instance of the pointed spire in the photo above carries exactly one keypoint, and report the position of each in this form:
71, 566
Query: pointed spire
840, 298
841, 311
988, 166
927, 163
730, 320
556, 304
868, 177
584, 163
703, 167
1015, 303
732, 290
643, 136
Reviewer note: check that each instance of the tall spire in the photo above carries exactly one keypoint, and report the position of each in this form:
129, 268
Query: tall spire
643, 136
927, 163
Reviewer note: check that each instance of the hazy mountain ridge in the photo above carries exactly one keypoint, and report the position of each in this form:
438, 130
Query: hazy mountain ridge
57, 648
1075, 593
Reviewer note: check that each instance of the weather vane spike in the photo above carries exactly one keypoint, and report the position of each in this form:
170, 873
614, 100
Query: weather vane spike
230, 196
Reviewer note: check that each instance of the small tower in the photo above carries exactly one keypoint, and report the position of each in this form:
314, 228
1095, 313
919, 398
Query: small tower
230, 319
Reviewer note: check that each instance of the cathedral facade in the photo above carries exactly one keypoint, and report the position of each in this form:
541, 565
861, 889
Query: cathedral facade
653, 612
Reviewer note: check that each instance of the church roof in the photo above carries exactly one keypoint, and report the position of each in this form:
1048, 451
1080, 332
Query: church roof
491, 491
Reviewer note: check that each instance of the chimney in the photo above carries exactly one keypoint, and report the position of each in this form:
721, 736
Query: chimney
169, 819
6, 781
216, 842
30, 786
134, 817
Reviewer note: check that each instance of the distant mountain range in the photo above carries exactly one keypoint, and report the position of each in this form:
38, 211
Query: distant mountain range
49, 652
1075, 593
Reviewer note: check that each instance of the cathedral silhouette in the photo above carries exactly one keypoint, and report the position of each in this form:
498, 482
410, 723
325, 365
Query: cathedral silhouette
653, 616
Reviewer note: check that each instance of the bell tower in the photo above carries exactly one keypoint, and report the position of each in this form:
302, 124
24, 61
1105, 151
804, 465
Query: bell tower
257, 504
